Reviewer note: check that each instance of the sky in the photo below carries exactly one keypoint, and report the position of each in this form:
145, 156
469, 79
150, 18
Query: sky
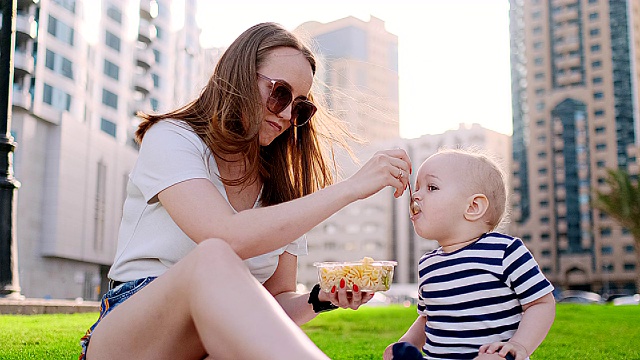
453, 55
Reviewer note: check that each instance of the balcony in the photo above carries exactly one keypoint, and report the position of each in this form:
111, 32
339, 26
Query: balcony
21, 98
143, 83
148, 9
146, 32
23, 64
144, 58
565, 15
25, 3
26, 27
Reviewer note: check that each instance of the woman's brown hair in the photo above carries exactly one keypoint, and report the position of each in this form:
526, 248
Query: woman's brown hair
229, 111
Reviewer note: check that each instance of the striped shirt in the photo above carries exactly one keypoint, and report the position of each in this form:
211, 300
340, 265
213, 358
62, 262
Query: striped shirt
474, 296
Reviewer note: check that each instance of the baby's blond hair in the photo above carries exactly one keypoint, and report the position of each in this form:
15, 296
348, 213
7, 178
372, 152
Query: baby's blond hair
485, 176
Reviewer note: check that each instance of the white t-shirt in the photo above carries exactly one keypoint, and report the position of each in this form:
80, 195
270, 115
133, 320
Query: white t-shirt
149, 241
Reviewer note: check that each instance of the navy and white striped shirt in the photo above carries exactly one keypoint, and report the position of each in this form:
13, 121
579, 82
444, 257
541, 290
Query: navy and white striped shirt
474, 296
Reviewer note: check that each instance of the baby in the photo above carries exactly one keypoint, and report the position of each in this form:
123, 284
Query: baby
481, 294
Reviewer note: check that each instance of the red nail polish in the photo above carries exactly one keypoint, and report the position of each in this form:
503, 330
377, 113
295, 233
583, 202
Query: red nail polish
355, 287
333, 289
342, 283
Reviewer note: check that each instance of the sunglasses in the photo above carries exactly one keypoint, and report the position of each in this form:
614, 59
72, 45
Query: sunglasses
281, 96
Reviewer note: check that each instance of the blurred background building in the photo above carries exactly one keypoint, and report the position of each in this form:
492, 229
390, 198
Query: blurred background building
82, 70
575, 114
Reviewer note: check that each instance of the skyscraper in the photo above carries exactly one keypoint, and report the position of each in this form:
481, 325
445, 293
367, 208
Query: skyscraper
359, 66
82, 70
575, 114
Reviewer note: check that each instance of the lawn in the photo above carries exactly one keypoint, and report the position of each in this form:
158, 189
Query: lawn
579, 332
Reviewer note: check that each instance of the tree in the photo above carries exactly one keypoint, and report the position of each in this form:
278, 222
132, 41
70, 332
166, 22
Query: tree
621, 201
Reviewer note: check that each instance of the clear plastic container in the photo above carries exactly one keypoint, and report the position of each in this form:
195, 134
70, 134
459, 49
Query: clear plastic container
368, 274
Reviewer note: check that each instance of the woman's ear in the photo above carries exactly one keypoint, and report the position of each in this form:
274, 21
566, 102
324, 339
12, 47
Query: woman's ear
477, 207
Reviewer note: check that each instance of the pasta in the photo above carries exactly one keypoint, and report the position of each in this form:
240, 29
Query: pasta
367, 274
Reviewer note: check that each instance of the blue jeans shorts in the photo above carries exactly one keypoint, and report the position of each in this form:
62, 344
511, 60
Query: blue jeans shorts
110, 300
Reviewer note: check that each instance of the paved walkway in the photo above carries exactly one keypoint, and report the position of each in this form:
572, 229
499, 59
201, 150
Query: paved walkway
46, 306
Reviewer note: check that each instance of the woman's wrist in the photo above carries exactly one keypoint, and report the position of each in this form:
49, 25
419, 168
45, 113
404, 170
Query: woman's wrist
317, 304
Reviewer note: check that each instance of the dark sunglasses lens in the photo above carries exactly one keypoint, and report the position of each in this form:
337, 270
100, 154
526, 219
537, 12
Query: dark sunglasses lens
302, 112
279, 99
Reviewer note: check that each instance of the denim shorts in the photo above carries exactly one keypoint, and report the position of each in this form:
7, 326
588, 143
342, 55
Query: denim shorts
110, 300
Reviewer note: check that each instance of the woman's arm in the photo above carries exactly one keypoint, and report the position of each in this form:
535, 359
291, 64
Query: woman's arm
199, 209
282, 285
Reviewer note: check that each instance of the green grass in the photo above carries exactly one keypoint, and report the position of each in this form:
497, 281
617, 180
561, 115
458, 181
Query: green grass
579, 332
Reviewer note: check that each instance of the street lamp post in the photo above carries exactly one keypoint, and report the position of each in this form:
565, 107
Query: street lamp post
9, 281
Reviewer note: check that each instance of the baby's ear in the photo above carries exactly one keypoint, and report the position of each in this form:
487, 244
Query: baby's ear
477, 207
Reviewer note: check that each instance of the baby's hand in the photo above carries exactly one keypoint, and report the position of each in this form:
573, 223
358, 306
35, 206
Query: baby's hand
509, 350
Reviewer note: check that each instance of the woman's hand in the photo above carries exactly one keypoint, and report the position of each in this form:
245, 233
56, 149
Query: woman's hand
346, 299
385, 168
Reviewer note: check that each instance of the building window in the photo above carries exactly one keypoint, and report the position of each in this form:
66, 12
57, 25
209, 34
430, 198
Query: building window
67, 4
605, 232
159, 32
545, 237
629, 267
607, 268
60, 30
542, 155
110, 99
597, 80
156, 81
601, 164
544, 203
539, 76
594, 32
543, 187
600, 129
601, 147
606, 250
539, 92
593, 16
596, 64
538, 61
537, 45
111, 70
595, 48
537, 30
156, 56
542, 171
546, 253
59, 64
154, 104
114, 14
598, 113
112, 41
629, 249
56, 98
108, 127
598, 95
540, 122
544, 220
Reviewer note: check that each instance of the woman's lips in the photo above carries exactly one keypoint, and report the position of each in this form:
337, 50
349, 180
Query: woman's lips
275, 125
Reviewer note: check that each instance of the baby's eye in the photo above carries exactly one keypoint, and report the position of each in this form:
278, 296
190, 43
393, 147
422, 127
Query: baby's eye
432, 187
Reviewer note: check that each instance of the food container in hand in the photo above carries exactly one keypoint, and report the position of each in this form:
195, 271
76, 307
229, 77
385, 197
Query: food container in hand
367, 274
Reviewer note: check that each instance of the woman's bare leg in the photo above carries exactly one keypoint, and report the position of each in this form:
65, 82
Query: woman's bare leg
208, 303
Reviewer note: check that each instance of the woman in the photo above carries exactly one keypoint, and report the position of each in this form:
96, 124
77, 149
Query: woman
217, 205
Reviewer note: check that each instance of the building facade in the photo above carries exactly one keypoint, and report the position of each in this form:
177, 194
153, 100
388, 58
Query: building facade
358, 72
82, 71
575, 114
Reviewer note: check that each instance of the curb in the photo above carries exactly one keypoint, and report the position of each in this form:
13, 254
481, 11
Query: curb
46, 306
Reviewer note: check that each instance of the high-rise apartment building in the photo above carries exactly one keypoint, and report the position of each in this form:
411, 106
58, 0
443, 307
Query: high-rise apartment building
82, 70
575, 114
359, 71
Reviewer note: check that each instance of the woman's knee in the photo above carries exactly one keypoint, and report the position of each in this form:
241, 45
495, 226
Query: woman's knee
216, 252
